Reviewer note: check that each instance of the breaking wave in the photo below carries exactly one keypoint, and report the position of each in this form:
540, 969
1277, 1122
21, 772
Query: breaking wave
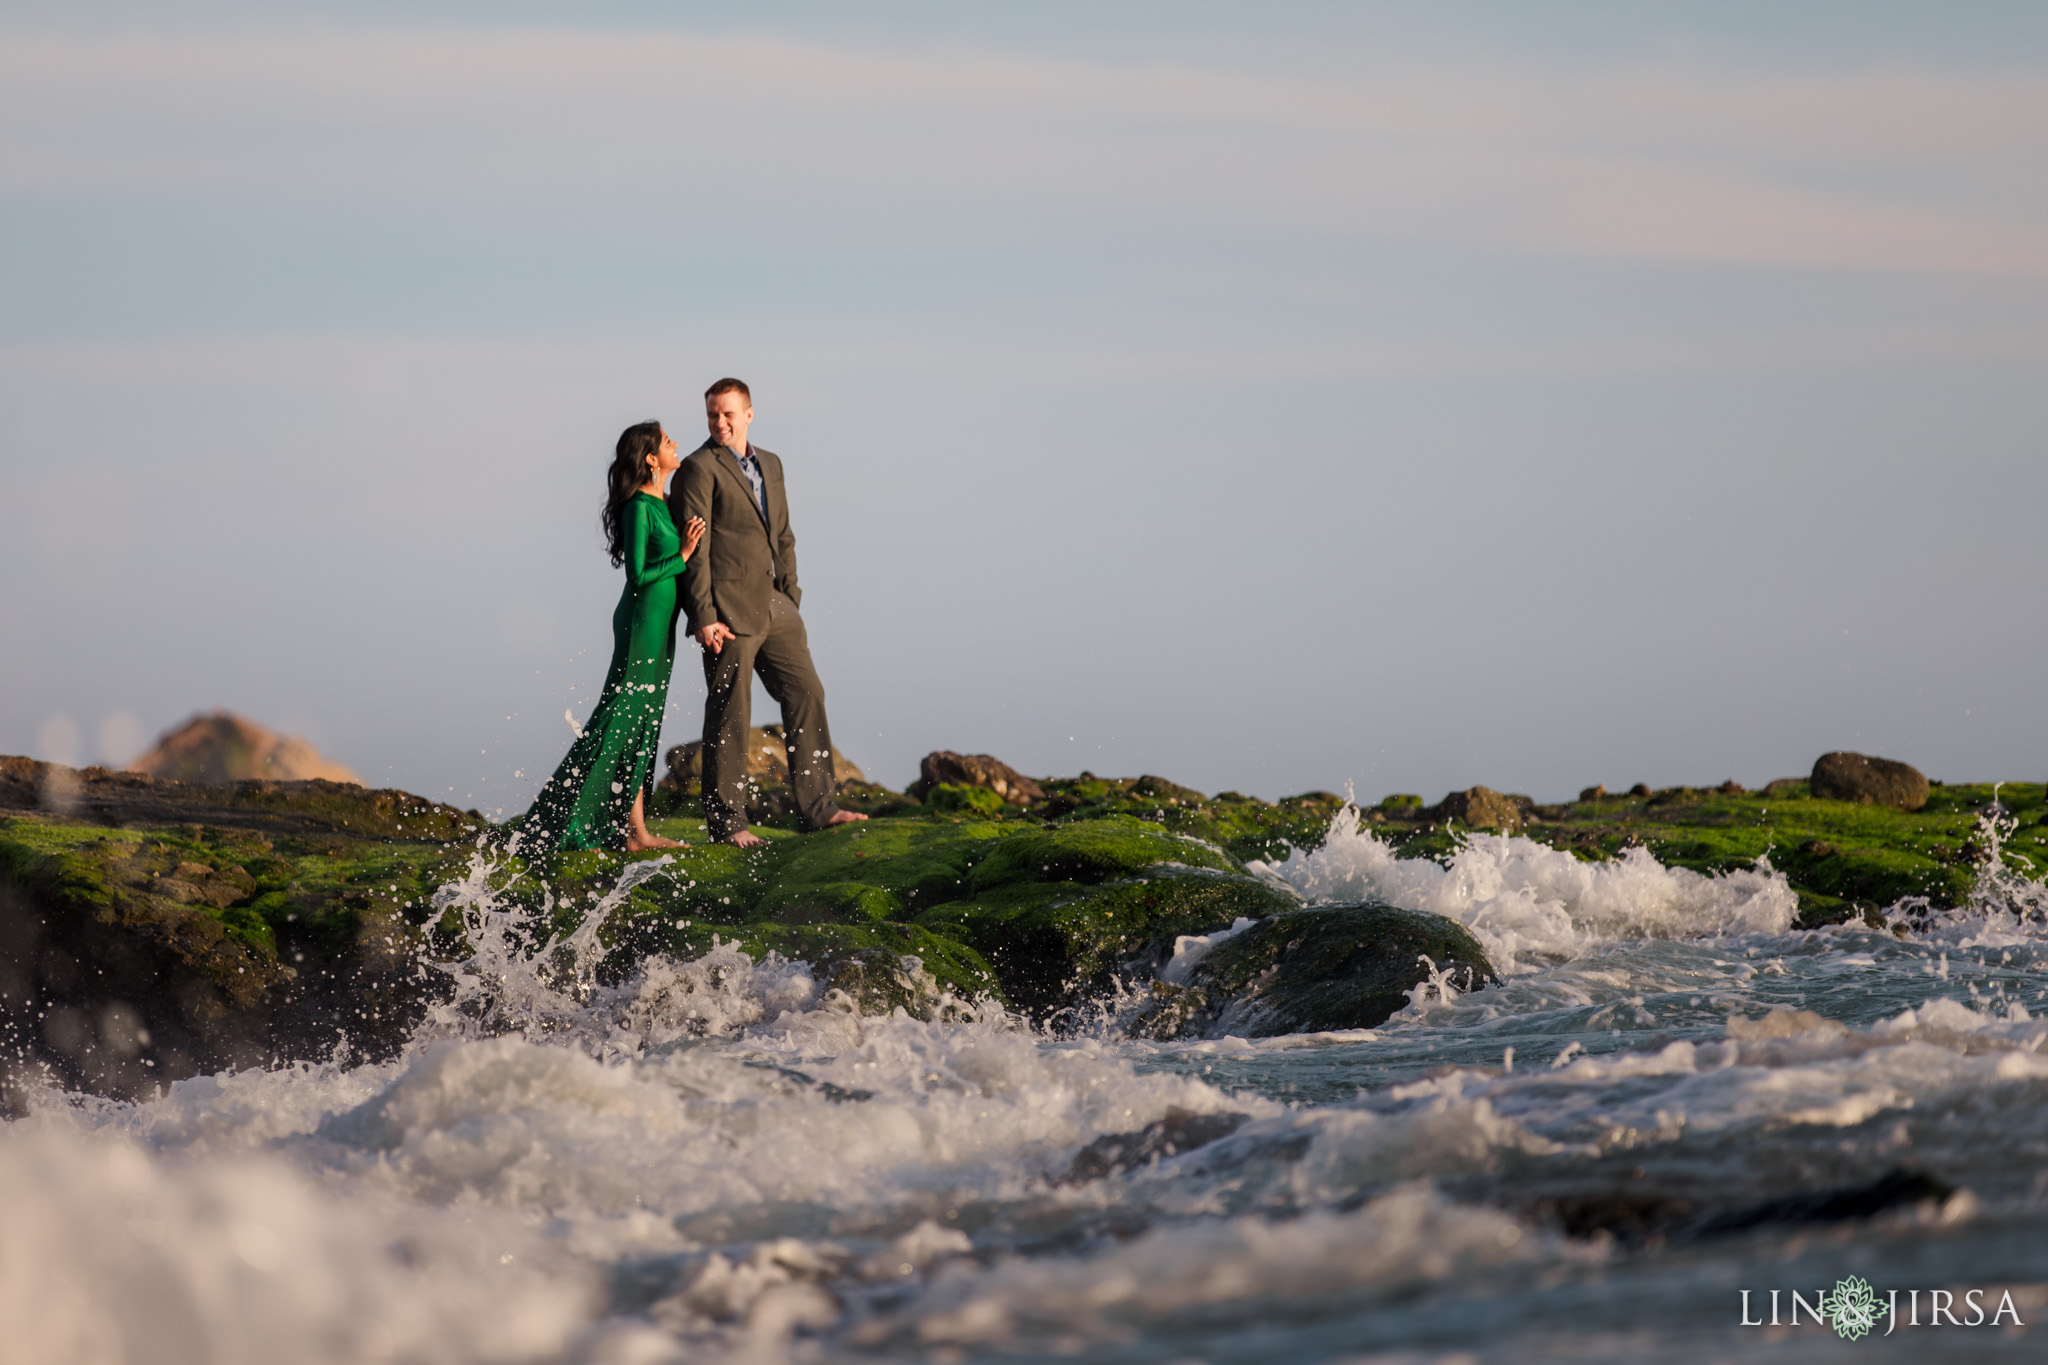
1531, 905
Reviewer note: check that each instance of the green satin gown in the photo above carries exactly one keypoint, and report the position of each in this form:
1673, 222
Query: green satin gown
589, 800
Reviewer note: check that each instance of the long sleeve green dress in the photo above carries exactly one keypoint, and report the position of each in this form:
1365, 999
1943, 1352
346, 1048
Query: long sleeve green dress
589, 800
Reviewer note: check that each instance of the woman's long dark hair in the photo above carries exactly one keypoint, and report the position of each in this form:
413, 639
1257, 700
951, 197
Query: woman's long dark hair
627, 474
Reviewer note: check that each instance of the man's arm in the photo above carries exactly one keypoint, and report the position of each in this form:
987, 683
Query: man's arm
785, 545
690, 496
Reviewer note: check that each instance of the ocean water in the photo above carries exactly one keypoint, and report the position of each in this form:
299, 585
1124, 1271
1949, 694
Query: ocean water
1591, 1161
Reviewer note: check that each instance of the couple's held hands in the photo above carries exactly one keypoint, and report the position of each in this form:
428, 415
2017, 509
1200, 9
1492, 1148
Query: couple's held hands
714, 636
693, 532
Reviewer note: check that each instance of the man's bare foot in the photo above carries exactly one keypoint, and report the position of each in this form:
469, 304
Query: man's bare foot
743, 838
842, 817
640, 843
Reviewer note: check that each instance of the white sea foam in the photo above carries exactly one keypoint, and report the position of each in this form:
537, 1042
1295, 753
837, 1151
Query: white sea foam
1225, 1270
1530, 904
109, 1255
1189, 949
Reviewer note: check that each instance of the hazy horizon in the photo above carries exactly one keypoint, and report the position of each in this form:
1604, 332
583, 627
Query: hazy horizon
1269, 401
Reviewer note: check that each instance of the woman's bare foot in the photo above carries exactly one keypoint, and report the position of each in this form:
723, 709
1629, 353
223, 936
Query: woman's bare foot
841, 817
638, 837
743, 838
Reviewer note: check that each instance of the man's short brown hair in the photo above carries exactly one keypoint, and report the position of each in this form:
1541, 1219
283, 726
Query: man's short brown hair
730, 385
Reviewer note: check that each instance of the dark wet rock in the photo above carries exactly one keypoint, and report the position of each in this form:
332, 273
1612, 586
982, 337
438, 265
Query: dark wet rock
1330, 967
1641, 1216
1639, 789
943, 767
1597, 792
1058, 943
1868, 781
1901, 1188
1483, 808
1180, 1131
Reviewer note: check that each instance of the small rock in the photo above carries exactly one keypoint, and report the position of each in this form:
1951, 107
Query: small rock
1783, 786
1869, 781
1594, 793
943, 766
1182, 1130
1731, 788
1818, 848
1639, 789
1482, 808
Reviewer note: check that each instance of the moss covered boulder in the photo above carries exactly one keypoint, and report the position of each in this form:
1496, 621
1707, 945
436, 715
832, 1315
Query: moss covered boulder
1056, 945
131, 957
1034, 915
1333, 967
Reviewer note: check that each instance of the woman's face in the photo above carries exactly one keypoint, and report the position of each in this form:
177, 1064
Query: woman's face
664, 461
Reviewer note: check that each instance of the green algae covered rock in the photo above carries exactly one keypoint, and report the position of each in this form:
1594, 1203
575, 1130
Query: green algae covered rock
1033, 915
1094, 851
959, 796
880, 968
1056, 944
133, 957
1307, 971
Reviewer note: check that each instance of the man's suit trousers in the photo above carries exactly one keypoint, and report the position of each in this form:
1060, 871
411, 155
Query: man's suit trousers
782, 656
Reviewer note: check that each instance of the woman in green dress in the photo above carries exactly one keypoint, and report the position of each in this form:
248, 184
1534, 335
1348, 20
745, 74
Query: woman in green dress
598, 796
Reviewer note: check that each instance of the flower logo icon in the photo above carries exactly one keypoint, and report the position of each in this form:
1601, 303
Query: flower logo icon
1852, 1308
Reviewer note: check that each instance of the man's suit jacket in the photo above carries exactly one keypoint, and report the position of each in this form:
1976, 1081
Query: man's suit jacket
742, 561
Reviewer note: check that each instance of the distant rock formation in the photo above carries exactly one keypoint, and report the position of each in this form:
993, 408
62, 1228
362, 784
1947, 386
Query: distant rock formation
767, 762
1869, 781
943, 766
225, 747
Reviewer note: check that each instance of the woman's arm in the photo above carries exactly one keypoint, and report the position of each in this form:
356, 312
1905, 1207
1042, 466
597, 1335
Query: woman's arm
641, 569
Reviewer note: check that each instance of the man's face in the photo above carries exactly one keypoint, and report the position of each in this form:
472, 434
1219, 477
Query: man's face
728, 415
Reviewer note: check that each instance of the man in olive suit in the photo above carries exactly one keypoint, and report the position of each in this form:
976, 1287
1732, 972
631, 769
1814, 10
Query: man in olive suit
741, 598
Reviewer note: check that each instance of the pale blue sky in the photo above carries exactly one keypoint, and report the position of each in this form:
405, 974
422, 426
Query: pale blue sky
1270, 398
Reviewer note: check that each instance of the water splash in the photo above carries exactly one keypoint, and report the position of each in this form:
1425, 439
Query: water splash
1531, 905
2005, 907
519, 975
1437, 987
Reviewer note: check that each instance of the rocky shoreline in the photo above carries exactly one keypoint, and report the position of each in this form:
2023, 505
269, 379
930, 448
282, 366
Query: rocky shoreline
153, 929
